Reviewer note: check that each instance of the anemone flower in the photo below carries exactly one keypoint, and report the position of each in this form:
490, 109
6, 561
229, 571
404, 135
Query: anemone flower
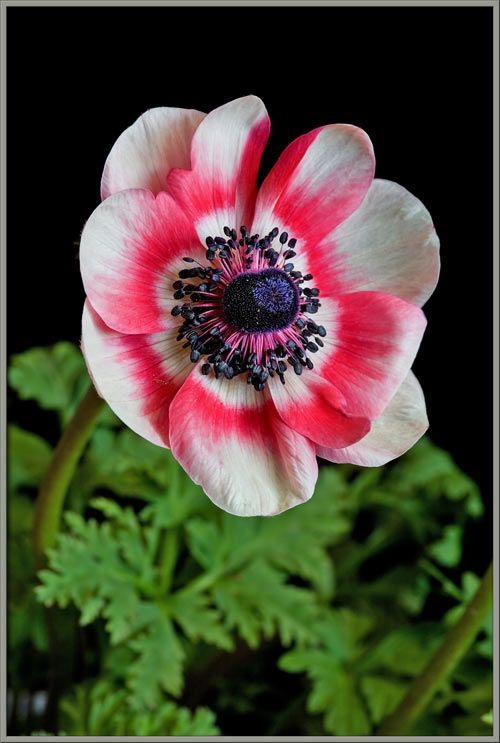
252, 331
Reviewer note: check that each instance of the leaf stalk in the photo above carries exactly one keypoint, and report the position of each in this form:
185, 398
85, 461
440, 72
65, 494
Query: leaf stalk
454, 646
53, 489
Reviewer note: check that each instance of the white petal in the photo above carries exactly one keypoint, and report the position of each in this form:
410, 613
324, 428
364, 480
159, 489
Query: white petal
318, 181
399, 427
137, 375
388, 244
143, 154
230, 440
131, 251
220, 188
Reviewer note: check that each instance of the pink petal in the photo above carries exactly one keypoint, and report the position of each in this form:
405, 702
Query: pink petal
144, 153
371, 342
388, 244
225, 156
137, 375
313, 406
230, 440
399, 427
130, 253
318, 181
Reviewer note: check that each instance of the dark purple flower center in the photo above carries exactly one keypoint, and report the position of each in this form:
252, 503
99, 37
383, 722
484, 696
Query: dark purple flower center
261, 300
249, 313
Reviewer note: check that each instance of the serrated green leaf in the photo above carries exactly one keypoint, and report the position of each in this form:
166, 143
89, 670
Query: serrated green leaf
402, 587
487, 718
317, 663
199, 621
333, 691
124, 463
470, 583
382, 695
205, 542
129, 465
257, 602
447, 550
102, 709
54, 377
427, 466
91, 610
238, 577
343, 631
201, 722
320, 523
403, 651
29, 457
345, 711
158, 666
238, 615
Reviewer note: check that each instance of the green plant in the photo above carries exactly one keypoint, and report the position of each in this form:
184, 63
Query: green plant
341, 588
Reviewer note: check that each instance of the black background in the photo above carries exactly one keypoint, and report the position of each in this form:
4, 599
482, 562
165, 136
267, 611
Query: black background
418, 80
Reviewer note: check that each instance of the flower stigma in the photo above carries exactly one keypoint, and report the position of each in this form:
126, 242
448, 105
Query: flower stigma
261, 300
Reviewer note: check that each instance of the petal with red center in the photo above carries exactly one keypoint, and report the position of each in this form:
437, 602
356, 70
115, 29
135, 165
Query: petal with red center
143, 154
372, 339
231, 441
131, 251
313, 406
399, 427
220, 188
137, 375
318, 181
389, 244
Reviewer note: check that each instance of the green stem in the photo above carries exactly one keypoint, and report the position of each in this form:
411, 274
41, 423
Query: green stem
438, 575
455, 645
169, 551
55, 484
203, 581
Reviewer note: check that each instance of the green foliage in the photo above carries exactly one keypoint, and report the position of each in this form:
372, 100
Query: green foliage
53, 377
103, 709
447, 550
166, 588
29, 456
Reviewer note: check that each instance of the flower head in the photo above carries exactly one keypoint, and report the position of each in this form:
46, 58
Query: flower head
252, 331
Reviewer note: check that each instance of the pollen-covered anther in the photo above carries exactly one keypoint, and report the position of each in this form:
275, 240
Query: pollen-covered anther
248, 314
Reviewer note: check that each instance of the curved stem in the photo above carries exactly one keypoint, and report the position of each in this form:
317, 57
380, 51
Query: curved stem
50, 501
455, 645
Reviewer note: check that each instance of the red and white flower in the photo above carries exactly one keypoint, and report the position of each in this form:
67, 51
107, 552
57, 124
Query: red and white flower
252, 331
